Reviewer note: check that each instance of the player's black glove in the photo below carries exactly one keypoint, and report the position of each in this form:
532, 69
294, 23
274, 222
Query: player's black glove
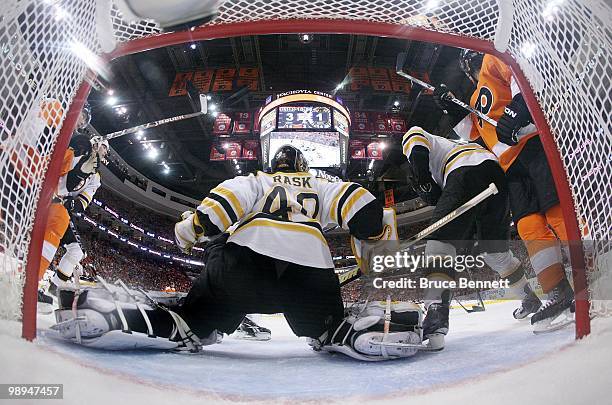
516, 116
442, 96
73, 204
429, 192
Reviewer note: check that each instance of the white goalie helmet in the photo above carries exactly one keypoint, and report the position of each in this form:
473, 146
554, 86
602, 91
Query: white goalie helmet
100, 146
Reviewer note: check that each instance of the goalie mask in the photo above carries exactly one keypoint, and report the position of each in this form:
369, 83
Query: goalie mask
289, 159
470, 63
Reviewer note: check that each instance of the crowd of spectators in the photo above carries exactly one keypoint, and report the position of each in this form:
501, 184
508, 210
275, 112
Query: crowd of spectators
115, 261
137, 214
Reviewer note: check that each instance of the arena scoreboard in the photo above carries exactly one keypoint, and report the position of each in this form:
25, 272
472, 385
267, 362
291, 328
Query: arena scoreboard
315, 122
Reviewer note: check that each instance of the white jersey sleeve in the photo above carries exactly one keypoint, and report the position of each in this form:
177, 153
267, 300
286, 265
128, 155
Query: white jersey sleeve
87, 193
231, 201
340, 202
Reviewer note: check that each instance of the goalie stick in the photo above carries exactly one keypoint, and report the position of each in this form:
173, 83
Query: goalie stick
399, 69
354, 274
203, 105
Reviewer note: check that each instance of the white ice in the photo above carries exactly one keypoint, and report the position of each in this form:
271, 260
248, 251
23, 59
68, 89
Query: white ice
488, 356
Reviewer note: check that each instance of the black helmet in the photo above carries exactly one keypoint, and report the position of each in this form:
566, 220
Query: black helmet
85, 117
470, 62
288, 158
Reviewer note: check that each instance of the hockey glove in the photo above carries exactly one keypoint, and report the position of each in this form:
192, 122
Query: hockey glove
188, 232
516, 116
73, 205
429, 192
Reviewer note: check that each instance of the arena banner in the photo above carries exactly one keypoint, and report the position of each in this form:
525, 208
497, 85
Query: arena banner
222, 125
249, 150
360, 122
357, 149
374, 150
398, 125
215, 155
382, 124
242, 123
233, 150
179, 86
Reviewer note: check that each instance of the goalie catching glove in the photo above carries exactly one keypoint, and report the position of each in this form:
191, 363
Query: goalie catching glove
188, 231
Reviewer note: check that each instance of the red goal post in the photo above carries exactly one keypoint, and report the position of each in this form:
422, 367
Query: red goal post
520, 32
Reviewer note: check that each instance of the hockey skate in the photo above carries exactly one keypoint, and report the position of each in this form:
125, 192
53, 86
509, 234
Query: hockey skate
435, 325
529, 305
45, 303
249, 330
557, 313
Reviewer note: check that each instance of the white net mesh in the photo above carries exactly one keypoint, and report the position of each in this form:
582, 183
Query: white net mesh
562, 47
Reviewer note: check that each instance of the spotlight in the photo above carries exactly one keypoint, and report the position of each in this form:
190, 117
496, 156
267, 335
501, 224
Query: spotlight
396, 103
193, 46
305, 38
153, 153
139, 134
110, 92
111, 100
166, 170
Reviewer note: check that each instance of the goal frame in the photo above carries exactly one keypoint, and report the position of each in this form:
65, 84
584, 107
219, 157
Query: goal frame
313, 26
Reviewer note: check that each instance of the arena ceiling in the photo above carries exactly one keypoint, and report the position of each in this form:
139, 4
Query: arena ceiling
141, 84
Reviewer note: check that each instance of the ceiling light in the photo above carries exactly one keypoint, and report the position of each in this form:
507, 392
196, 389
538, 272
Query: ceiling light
212, 107
111, 100
215, 113
396, 103
193, 46
305, 38
528, 49
110, 92
166, 170
153, 153
208, 97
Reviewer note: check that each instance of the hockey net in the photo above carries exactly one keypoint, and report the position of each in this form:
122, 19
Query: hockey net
560, 49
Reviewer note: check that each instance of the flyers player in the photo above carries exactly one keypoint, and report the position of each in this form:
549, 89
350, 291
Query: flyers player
533, 197
268, 255
79, 181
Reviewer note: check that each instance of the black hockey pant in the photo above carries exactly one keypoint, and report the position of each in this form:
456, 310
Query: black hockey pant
237, 281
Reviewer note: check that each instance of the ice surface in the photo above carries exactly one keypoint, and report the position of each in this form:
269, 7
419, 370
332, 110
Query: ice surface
483, 350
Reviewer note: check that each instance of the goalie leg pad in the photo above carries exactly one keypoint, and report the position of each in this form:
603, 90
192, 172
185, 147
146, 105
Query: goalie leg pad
361, 335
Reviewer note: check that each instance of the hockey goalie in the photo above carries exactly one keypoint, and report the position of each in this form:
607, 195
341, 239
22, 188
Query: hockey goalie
266, 254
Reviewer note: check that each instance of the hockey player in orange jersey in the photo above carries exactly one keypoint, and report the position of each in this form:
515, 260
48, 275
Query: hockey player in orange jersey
516, 143
79, 180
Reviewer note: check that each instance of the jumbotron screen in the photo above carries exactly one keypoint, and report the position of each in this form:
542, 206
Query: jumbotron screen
321, 149
304, 117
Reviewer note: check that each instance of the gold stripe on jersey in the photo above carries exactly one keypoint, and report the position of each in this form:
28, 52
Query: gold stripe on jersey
232, 197
469, 146
218, 210
288, 226
233, 201
333, 210
415, 139
348, 205
463, 155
